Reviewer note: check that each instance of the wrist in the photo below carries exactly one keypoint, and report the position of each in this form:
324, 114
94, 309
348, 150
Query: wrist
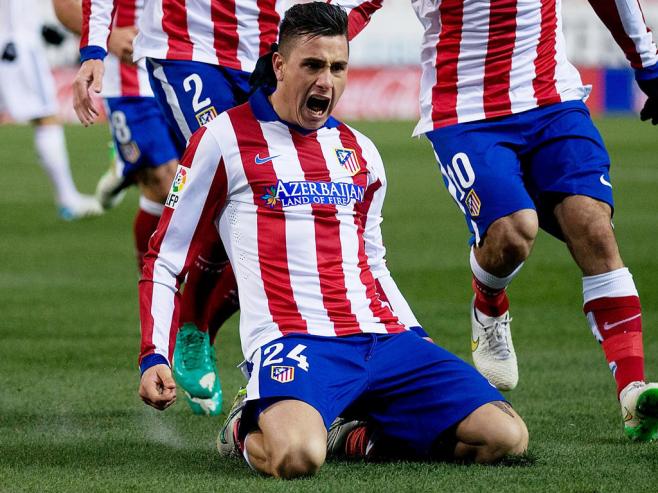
92, 53
152, 360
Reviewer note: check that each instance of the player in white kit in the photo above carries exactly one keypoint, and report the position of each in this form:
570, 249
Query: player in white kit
27, 93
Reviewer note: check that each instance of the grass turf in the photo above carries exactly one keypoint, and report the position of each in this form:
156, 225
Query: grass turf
70, 417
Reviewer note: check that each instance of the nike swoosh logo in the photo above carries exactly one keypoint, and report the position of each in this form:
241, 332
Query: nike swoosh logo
263, 160
607, 326
605, 182
474, 344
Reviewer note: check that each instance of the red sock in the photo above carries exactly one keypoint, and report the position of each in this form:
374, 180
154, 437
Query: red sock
210, 293
617, 324
143, 227
491, 302
223, 301
356, 443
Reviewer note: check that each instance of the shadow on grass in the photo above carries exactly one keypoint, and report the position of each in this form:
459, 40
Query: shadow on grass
529, 459
130, 454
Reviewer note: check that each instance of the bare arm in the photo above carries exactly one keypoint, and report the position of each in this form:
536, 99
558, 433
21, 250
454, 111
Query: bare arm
69, 13
625, 21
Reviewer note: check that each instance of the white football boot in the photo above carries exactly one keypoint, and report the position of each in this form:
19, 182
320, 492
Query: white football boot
228, 444
639, 410
84, 206
493, 350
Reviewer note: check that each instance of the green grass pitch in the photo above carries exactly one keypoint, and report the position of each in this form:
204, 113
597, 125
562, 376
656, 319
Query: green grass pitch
70, 416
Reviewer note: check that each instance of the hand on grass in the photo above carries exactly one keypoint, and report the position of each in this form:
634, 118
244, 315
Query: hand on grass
157, 387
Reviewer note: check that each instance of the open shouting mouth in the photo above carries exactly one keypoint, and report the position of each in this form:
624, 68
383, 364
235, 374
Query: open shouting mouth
317, 104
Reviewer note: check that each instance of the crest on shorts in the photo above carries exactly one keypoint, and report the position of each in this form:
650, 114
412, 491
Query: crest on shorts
473, 203
130, 152
348, 160
206, 115
283, 374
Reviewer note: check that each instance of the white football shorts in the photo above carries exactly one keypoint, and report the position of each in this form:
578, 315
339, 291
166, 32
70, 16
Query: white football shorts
27, 87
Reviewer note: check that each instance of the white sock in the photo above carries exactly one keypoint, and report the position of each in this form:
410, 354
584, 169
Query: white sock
51, 148
152, 207
613, 284
489, 280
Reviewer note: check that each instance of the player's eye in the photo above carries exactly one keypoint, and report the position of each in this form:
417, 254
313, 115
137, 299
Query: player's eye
339, 67
314, 64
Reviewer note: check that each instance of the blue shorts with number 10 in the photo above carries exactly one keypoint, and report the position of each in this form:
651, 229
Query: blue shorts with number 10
530, 160
410, 390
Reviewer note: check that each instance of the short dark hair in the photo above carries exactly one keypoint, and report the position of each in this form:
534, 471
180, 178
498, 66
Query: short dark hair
304, 19
311, 19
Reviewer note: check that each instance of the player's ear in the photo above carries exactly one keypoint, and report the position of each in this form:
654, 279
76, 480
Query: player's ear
278, 64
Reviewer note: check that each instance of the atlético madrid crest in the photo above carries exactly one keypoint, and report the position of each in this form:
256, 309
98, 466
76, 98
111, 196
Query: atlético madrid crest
283, 374
206, 115
473, 203
348, 160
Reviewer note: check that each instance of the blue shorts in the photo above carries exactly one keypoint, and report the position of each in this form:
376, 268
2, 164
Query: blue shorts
191, 94
140, 133
530, 160
409, 389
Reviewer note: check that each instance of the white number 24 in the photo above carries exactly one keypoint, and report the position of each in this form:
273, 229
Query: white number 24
296, 355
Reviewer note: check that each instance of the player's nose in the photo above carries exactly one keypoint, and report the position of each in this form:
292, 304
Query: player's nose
325, 80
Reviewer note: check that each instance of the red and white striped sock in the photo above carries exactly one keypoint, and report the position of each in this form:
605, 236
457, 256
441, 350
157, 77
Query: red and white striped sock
490, 294
613, 310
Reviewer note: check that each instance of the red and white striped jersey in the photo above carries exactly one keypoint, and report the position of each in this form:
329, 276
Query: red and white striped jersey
487, 58
122, 79
299, 216
230, 33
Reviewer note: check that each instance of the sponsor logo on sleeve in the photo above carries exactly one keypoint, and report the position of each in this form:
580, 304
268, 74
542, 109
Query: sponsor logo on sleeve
283, 374
177, 186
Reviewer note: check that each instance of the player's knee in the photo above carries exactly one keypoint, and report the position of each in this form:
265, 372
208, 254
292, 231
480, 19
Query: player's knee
511, 439
299, 456
517, 243
157, 181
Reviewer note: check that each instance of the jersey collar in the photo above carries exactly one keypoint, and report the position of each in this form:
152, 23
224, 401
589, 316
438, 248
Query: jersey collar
263, 111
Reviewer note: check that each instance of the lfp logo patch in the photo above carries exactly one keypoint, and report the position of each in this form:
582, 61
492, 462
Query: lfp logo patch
348, 160
283, 374
177, 186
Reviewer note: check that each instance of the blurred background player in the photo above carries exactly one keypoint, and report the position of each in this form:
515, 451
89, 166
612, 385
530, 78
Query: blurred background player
199, 56
27, 93
143, 140
503, 108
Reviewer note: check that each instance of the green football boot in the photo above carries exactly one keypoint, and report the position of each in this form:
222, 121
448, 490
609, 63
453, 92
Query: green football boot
194, 365
639, 408
207, 407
